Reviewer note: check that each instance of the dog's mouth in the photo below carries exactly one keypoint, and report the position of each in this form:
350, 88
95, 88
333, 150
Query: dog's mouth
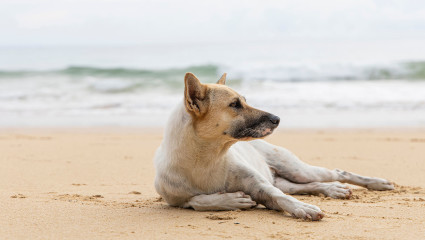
259, 130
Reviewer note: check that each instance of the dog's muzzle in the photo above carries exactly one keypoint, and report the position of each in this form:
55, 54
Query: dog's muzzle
261, 127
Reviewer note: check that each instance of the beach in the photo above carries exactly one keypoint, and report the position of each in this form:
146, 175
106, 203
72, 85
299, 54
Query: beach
86, 92
97, 183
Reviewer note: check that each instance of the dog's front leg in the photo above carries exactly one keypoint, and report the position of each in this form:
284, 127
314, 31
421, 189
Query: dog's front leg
251, 182
273, 198
220, 201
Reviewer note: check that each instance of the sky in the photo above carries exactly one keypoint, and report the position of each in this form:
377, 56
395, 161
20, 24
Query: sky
130, 22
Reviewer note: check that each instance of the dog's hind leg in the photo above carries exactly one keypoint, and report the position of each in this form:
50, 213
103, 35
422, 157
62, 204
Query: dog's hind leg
331, 189
220, 201
290, 167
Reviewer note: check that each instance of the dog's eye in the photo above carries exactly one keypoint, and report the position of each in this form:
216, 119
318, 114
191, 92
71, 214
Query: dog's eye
236, 104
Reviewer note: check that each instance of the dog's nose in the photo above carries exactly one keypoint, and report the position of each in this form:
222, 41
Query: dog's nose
274, 119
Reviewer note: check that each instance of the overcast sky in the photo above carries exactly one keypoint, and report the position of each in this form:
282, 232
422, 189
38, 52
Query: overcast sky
123, 22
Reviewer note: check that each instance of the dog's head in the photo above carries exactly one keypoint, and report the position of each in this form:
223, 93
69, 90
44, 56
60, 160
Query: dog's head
218, 111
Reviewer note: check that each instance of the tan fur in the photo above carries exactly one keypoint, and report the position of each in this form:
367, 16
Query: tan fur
222, 80
213, 120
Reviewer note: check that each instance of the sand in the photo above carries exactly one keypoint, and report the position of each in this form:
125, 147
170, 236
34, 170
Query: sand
98, 184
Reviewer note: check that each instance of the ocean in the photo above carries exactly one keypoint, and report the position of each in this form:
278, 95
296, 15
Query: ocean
308, 84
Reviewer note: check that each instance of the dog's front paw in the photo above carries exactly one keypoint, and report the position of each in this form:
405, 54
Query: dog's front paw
238, 200
307, 212
379, 184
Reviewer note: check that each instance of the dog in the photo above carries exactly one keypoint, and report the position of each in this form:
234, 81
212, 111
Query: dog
213, 157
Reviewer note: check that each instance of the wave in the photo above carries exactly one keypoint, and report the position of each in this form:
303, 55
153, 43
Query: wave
88, 71
210, 72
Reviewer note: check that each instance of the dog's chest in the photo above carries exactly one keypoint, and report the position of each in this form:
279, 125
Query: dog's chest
209, 179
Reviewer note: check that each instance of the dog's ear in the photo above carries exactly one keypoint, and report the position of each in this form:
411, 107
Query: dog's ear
194, 95
222, 80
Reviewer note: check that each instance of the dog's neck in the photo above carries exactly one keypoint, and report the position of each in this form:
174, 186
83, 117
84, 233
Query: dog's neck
206, 150
192, 150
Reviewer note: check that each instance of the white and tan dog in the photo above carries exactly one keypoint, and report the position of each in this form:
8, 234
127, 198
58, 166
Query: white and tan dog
207, 160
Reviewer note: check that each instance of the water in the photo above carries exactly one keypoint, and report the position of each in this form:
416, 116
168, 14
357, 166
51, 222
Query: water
306, 84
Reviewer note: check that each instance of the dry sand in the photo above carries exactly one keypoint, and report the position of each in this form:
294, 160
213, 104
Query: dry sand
98, 184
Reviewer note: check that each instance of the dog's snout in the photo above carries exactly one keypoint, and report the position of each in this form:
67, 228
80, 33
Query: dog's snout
274, 119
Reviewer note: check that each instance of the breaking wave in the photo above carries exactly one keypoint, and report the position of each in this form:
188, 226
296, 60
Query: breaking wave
293, 73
